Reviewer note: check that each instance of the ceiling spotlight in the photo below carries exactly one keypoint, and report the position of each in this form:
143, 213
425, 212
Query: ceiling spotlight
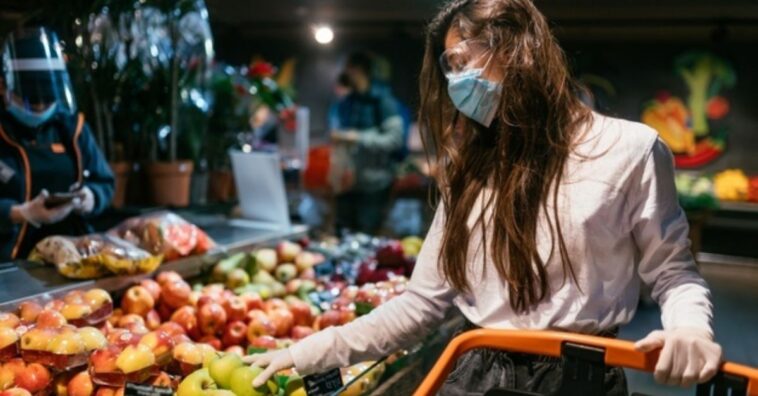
323, 34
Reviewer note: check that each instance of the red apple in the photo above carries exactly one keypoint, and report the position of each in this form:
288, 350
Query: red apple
51, 319
307, 260
137, 300
153, 287
259, 325
211, 340
108, 391
28, 311
164, 311
205, 299
240, 351
9, 320
176, 294
235, 308
172, 328
187, 318
55, 305
308, 274
168, 277
286, 251
282, 320
346, 316
301, 312
34, 378
391, 255
300, 332
327, 319
234, 333
152, 320
104, 360
211, 318
80, 385
163, 380
266, 342
160, 343
122, 337
253, 301
274, 303
131, 320
15, 392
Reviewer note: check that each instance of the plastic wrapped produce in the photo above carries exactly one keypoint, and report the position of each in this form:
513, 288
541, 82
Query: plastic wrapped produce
166, 234
93, 256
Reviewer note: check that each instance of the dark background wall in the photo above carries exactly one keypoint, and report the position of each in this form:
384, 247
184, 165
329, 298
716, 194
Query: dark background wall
637, 70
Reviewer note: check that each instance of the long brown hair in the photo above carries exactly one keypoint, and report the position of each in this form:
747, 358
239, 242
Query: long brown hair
520, 157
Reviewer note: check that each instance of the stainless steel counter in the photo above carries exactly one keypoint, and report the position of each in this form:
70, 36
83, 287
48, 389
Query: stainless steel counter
25, 280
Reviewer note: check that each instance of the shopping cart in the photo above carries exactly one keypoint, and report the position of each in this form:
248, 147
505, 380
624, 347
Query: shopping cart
584, 360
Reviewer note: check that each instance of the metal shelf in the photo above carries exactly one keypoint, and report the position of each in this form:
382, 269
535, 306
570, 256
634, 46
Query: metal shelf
33, 281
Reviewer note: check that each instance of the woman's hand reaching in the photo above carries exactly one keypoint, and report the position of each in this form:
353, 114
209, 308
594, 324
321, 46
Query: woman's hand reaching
688, 355
273, 362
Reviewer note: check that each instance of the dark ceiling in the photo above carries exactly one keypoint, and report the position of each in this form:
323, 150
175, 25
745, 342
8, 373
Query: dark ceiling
258, 19
612, 19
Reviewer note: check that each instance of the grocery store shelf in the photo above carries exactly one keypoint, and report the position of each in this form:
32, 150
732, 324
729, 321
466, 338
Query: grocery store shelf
739, 206
27, 280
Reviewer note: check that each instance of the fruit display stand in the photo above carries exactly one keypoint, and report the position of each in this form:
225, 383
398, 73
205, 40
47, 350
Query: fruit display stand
146, 335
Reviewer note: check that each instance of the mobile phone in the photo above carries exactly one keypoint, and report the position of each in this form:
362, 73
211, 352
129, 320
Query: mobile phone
59, 199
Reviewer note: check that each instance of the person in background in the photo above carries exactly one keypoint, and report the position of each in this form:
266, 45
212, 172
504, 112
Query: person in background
551, 217
53, 176
371, 125
342, 90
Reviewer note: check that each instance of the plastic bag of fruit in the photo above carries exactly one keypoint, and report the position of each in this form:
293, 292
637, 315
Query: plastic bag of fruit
166, 234
93, 256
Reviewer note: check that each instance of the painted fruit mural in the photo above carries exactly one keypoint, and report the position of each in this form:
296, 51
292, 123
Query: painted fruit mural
693, 126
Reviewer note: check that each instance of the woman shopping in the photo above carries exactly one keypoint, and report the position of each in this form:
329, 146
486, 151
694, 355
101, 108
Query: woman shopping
551, 217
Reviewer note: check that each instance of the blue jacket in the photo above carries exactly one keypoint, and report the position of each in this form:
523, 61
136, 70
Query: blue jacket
91, 169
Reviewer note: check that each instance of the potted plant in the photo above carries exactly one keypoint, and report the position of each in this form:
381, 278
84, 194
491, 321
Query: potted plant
178, 52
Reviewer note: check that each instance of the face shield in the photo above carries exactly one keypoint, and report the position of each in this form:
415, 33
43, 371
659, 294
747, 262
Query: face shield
37, 83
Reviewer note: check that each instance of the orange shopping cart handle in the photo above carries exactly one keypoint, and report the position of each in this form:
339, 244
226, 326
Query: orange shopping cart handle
618, 353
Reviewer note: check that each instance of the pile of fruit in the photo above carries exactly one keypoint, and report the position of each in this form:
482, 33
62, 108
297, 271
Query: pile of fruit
165, 332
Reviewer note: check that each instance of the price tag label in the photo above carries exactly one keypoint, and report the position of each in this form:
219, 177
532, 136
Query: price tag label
323, 384
146, 390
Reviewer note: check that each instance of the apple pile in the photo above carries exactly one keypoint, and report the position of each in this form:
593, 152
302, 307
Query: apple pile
227, 375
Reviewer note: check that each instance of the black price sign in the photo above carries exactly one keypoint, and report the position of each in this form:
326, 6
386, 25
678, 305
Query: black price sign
323, 384
146, 390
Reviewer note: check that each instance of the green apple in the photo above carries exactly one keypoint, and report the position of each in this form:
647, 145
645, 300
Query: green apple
196, 384
295, 386
263, 278
219, 392
209, 357
221, 369
237, 278
285, 272
242, 382
266, 259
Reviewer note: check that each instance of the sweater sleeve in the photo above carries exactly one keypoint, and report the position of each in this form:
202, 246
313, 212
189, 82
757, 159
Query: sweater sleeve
388, 136
391, 326
660, 230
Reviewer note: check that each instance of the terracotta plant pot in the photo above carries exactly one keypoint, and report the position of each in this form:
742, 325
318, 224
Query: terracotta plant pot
121, 171
221, 186
170, 182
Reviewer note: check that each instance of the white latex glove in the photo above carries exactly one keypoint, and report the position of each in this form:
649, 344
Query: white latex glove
688, 355
86, 202
273, 362
35, 213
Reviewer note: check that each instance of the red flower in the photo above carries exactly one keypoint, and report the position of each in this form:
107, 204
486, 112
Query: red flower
260, 69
